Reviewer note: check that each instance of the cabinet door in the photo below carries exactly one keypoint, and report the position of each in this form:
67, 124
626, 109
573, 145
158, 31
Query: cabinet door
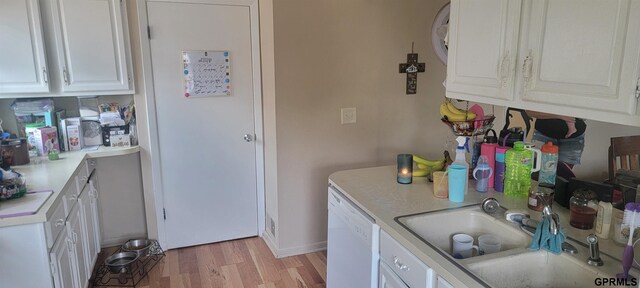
62, 262
74, 232
23, 68
581, 54
483, 42
388, 279
94, 211
88, 229
90, 45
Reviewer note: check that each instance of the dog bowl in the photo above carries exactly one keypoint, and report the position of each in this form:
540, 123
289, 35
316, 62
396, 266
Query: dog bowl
138, 246
120, 262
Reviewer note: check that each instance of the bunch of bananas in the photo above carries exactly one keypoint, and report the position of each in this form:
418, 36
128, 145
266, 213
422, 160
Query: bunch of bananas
426, 167
452, 113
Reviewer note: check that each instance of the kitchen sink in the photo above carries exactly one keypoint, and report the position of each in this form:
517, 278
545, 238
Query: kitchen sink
539, 269
515, 265
436, 228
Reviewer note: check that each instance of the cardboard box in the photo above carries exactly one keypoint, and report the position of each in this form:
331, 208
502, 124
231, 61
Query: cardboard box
74, 133
46, 138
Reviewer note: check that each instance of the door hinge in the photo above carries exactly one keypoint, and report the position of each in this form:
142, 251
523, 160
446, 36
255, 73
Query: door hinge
164, 214
149, 32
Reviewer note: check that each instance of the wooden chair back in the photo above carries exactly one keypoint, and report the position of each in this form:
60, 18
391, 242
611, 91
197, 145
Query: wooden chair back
624, 153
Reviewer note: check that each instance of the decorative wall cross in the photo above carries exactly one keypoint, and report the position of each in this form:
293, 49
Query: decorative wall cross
412, 68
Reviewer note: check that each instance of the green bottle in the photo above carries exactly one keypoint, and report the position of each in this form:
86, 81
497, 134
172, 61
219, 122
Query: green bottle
517, 177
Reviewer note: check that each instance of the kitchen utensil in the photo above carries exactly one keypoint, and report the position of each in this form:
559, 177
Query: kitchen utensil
138, 246
120, 262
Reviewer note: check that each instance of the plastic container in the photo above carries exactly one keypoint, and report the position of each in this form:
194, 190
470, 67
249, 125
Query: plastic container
488, 149
458, 172
482, 173
583, 207
498, 173
603, 220
549, 164
517, 177
543, 190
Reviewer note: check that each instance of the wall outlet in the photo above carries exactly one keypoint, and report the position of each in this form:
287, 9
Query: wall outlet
348, 115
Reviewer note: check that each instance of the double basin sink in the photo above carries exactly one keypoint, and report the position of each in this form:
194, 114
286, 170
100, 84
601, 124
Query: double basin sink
515, 265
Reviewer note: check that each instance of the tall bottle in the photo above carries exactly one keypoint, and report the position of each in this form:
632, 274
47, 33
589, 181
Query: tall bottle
488, 149
549, 164
500, 168
459, 172
517, 177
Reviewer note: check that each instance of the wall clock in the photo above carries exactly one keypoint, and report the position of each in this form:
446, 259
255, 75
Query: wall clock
439, 33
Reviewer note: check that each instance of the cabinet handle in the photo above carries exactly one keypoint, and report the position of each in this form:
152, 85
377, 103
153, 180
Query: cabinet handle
59, 222
399, 264
45, 77
503, 70
527, 67
74, 197
65, 75
75, 237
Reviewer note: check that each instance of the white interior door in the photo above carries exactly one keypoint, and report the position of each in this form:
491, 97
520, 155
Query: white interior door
208, 169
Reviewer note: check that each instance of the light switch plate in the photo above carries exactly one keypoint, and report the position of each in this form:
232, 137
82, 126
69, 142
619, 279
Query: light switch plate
348, 115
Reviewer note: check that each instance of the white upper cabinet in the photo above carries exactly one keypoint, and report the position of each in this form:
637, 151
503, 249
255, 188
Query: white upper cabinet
90, 45
23, 67
483, 44
578, 58
64, 48
582, 53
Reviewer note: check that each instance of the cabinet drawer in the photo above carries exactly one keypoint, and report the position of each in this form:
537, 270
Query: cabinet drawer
91, 165
70, 198
55, 225
83, 175
410, 269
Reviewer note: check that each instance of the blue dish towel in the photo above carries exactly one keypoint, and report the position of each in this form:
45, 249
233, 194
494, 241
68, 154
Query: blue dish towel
543, 239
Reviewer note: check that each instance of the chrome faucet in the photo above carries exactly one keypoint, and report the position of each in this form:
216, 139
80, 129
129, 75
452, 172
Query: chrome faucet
554, 224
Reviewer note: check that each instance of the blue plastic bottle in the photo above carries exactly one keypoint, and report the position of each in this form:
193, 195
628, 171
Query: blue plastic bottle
458, 172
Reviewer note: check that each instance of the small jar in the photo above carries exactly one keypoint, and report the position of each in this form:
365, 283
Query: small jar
545, 191
583, 207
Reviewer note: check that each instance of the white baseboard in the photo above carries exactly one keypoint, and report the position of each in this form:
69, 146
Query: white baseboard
292, 251
117, 241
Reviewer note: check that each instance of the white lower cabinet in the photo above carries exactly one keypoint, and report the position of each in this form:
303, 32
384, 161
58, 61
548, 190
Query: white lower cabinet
62, 266
91, 233
409, 269
388, 279
74, 232
399, 268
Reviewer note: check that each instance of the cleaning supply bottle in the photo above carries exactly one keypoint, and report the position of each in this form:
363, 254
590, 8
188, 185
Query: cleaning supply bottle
517, 177
488, 149
458, 171
549, 165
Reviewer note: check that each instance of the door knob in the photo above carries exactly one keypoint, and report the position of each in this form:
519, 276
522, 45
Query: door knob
248, 137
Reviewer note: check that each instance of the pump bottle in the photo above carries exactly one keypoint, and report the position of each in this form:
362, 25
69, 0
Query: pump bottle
458, 171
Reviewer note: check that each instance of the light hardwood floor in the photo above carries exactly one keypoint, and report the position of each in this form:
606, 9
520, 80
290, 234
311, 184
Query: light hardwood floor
239, 263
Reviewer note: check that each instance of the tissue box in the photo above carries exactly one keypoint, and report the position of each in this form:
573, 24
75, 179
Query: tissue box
46, 138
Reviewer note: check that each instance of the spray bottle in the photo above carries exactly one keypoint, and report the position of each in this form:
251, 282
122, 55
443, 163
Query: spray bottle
459, 172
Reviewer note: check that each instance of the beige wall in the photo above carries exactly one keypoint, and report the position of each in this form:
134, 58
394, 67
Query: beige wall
335, 54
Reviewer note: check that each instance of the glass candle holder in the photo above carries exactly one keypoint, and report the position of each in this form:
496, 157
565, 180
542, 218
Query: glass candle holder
405, 168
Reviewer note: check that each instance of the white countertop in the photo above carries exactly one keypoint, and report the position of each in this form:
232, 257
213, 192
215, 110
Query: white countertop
43, 174
376, 191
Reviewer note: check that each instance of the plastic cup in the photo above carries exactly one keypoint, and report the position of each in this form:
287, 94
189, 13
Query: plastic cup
440, 184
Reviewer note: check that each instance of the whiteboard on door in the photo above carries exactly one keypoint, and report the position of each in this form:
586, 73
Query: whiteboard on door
206, 73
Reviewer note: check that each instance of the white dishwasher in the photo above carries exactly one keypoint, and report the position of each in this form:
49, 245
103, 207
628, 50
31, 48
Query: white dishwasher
352, 245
